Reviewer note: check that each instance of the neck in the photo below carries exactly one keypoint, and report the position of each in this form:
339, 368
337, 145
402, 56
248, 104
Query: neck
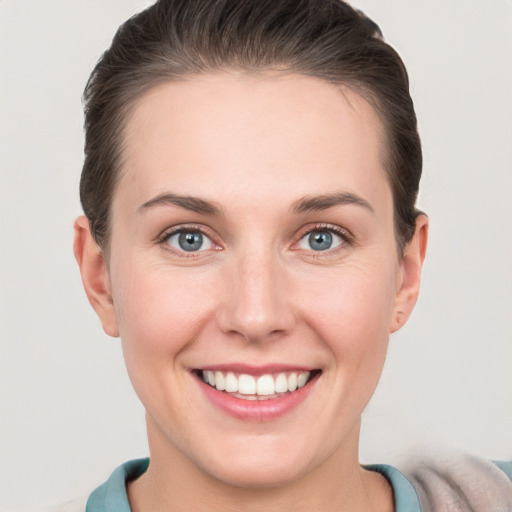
173, 482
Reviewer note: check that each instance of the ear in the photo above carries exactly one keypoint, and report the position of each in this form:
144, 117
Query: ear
95, 278
410, 274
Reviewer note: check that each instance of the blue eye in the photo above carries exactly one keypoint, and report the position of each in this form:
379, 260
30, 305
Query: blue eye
320, 240
189, 241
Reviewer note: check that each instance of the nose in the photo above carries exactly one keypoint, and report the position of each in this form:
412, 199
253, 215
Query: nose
257, 304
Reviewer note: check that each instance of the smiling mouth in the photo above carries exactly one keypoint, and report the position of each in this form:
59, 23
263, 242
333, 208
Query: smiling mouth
263, 387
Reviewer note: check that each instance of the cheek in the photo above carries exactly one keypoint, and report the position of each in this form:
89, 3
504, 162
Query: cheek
160, 314
351, 310
159, 311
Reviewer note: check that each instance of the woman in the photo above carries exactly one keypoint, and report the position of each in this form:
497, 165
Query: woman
251, 234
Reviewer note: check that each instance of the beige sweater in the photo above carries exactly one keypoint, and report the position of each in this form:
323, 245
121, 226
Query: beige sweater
71, 506
461, 483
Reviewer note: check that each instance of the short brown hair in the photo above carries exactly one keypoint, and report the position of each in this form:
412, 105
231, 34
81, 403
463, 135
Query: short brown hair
174, 39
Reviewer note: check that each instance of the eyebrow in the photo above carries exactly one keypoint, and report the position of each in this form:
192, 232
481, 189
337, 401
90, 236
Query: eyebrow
191, 203
325, 201
303, 205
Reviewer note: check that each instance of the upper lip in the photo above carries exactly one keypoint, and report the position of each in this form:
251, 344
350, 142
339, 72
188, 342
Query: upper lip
256, 370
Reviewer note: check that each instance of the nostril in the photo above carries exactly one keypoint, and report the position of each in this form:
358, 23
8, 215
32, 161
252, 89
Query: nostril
256, 326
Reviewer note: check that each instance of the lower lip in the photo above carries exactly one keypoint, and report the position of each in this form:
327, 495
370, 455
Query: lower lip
257, 410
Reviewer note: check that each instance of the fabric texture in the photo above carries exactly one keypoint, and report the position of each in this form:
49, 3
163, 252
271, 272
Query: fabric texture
462, 483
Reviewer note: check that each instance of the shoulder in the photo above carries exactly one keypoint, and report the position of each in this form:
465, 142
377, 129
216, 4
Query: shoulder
461, 483
77, 505
112, 495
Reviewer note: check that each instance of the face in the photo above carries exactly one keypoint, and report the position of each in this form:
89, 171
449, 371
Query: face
252, 247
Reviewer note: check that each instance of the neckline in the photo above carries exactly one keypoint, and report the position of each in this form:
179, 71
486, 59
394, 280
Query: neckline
112, 496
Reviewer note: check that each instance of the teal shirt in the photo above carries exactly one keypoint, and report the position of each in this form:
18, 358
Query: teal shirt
111, 496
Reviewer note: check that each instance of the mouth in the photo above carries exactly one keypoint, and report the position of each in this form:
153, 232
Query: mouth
246, 386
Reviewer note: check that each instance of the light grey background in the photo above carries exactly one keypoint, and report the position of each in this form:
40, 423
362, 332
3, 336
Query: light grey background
68, 414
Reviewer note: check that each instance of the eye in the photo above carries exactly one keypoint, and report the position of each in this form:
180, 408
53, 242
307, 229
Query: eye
189, 241
321, 240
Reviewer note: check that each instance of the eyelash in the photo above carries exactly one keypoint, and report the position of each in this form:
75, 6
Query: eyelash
346, 237
189, 228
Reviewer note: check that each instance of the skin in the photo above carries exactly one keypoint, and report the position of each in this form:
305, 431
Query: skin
255, 147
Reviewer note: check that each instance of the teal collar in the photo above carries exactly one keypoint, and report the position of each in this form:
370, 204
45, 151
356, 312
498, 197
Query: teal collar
111, 496
406, 499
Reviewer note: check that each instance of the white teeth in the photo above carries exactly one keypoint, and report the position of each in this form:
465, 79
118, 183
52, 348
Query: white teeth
265, 385
246, 384
281, 383
220, 381
302, 379
292, 382
252, 387
231, 383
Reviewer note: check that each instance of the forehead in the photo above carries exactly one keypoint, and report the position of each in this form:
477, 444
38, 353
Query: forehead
252, 135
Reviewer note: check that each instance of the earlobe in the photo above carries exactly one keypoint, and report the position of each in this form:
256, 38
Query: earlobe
95, 278
410, 268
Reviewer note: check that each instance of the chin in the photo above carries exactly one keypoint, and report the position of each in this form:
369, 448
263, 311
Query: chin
258, 474
274, 462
